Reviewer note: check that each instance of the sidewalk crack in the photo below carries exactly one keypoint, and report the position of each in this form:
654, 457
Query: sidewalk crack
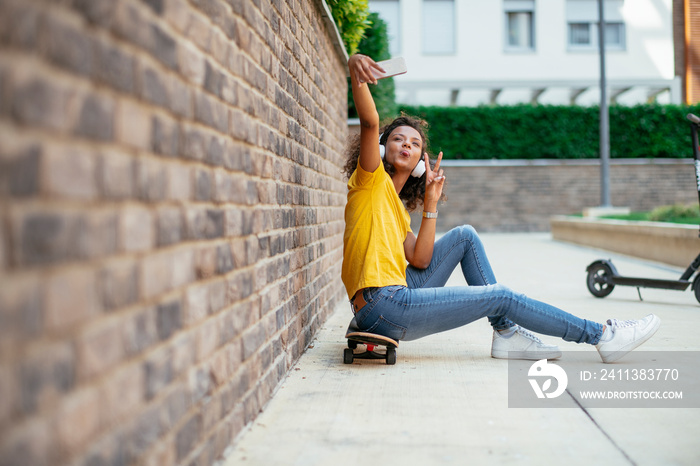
600, 428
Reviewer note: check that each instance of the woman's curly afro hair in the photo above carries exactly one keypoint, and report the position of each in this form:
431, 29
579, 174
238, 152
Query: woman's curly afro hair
413, 191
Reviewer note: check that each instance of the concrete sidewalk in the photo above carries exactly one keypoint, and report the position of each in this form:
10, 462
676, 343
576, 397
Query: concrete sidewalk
446, 400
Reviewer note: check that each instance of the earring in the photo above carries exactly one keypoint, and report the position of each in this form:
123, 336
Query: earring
382, 149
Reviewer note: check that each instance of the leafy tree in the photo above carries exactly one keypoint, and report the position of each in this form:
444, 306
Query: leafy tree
351, 18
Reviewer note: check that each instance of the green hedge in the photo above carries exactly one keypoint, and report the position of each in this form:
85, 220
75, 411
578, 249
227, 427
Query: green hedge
556, 132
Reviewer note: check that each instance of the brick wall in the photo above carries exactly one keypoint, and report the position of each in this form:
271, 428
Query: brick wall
522, 195
171, 216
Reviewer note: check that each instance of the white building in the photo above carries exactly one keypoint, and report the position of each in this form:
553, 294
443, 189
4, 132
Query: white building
471, 52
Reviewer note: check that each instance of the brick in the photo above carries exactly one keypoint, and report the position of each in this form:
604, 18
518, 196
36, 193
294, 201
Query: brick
71, 297
155, 86
180, 182
144, 433
101, 234
165, 138
156, 274
205, 262
168, 318
151, 180
19, 25
140, 331
164, 47
99, 349
158, 373
9, 394
70, 172
170, 226
155, 5
192, 64
211, 112
78, 419
45, 375
199, 384
181, 102
204, 223
38, 102
133, 125
187, 436
253, 339
215, 151
118, 284
224, 259
220, 367
203, 185
195, 143
114, 67
99, 12
183, 267
30, 442
110, 450
45, 237
184, 351
197, 304
207, 339
19, 171
136, 229
68, 47
213, 79
96, 119
115, 174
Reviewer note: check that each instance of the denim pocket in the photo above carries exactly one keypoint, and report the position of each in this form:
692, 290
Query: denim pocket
371, 319
388, 329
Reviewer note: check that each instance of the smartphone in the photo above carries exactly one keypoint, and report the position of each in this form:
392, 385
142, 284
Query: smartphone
393, 67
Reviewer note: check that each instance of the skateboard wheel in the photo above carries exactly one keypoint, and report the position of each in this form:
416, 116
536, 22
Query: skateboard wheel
348, 356
391, 356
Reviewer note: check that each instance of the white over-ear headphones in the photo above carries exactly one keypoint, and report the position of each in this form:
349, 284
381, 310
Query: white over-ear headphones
417, 172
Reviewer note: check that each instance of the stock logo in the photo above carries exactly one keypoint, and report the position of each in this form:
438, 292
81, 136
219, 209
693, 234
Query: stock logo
547, 372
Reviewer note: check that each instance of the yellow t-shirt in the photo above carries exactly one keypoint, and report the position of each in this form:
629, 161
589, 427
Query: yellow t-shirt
376, 225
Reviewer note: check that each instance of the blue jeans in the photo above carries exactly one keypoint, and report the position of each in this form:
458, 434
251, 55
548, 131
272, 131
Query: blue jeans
426, 306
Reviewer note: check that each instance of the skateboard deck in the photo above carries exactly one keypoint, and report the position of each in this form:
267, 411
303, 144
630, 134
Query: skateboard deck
371, 341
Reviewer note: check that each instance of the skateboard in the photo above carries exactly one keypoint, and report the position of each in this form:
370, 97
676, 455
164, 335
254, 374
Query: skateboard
371, 341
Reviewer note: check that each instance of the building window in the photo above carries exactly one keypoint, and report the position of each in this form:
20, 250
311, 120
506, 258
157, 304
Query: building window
438, 27
520, 25
582, 19
389, 11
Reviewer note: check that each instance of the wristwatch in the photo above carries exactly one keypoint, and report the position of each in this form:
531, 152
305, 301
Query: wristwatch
430, 214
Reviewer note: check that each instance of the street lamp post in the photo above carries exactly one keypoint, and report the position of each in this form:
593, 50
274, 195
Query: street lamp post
604, 116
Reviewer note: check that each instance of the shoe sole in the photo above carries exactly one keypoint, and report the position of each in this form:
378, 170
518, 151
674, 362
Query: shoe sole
617, 355
526, 355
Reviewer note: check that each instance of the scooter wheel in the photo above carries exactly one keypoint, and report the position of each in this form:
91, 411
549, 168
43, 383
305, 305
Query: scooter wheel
696, 287
598, 281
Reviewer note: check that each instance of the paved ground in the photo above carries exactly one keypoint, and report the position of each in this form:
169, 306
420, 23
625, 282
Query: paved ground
446, 399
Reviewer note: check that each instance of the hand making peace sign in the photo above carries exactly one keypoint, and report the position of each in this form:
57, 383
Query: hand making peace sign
434, 180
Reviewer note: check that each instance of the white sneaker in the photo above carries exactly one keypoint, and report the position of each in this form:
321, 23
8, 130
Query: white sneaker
521, 344
626, 336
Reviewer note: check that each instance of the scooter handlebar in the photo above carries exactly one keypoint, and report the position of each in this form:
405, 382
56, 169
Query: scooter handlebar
693, 118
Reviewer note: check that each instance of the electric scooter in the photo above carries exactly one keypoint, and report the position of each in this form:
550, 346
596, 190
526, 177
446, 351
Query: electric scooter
603, 276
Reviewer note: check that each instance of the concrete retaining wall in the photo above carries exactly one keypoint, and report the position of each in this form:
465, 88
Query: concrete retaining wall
663, 242
521, 195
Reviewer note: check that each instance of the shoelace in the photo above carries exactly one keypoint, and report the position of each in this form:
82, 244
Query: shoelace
622, 323
527, 334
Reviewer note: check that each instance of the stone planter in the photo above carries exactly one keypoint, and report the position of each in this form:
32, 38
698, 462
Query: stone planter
669, 243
